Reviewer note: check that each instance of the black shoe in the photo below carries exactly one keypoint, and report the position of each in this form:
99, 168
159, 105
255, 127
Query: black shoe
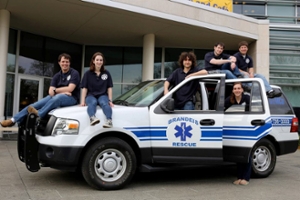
274, 93
240, 76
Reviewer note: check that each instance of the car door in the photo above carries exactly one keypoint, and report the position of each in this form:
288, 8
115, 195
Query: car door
189, 136
244, 124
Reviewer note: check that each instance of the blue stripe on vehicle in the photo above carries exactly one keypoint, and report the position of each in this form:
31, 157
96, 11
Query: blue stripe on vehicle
207, 133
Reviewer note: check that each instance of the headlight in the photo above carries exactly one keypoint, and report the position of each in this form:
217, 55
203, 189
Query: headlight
65, 127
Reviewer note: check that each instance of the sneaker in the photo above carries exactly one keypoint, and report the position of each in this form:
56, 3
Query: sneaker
240, 76
108, 124
7, 123
273, 93
31, 109
94, 120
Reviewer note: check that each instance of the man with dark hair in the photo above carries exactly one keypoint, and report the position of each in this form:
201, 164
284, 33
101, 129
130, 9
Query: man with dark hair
184, 96
245, 64
63, 91
219, 62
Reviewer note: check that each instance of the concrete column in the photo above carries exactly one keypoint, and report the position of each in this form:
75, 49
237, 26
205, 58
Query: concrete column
4, 36
260, 50
148, 56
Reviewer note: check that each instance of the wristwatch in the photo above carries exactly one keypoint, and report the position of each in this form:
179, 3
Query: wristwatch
54, 90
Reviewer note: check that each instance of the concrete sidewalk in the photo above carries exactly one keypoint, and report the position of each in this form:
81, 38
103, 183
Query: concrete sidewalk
16, 183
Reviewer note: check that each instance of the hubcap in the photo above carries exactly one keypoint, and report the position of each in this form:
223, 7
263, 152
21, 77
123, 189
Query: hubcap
110, 165
262, 158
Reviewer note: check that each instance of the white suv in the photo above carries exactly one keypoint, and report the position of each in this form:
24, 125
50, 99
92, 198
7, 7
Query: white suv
149, 134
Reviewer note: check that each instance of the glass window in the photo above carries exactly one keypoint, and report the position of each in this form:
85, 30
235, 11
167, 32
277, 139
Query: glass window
132, 68
9, 95
284, 68
47, 82
249, 9
281, 13
113, 57
171, 59
200, 57
53, 48
123, 63
117, 90
279, 105
292, 93
38, 55
256, 99
237, 8
157, 63
12, 46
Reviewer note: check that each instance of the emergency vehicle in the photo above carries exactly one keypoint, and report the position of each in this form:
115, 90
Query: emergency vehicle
148, 133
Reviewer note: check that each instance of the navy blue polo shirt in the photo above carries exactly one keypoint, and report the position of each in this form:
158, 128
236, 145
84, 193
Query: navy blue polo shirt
186, 92
209, 56
64, 79
245, 99
242, 62
96, 85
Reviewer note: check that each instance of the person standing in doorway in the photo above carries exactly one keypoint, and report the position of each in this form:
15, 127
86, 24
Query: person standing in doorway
64, 91
238, 97
97, 87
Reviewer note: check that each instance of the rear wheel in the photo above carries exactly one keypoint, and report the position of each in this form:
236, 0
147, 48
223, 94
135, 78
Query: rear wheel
109, 164
263, 158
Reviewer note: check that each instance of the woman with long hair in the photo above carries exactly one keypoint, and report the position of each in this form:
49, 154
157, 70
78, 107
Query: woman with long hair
238, 97
97, 90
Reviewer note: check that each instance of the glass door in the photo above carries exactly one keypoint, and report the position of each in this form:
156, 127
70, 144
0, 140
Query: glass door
29, 90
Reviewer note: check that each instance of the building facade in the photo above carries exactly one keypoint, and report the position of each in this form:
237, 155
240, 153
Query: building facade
284, 17
140, 40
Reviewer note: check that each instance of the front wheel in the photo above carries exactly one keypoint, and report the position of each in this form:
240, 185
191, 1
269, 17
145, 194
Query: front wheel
263, 158
109, 164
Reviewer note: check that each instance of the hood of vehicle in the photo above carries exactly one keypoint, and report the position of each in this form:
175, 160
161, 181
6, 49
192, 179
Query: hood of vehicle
122, 116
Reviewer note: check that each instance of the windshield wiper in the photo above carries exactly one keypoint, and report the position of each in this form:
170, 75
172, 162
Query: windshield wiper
121, 102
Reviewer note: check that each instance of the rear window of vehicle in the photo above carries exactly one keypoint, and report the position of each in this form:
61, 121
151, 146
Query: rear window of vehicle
279, 105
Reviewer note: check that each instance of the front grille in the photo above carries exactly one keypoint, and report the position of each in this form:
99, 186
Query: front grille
45, 126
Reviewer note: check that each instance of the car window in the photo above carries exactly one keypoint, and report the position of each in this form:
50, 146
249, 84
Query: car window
253, 92
280, 105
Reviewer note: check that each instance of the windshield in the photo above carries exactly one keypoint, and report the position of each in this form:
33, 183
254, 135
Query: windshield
141, 95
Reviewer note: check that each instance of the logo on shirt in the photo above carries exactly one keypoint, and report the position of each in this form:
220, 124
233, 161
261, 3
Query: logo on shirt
69, 77
104, 76
247, 60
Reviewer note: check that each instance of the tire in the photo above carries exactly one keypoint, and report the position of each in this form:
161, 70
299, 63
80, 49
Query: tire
263, 158
109, 164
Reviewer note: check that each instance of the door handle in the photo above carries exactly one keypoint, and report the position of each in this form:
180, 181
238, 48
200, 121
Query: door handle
258, 122
207, 122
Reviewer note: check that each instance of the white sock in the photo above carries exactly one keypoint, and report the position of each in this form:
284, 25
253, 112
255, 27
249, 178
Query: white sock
13, 120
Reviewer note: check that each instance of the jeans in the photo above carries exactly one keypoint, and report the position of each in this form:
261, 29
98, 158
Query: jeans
244, 170
229, 74
189, 105
47, 104
266, 83
235, 71
102, 101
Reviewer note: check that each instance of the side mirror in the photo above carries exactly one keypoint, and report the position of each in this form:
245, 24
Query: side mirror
168, 105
